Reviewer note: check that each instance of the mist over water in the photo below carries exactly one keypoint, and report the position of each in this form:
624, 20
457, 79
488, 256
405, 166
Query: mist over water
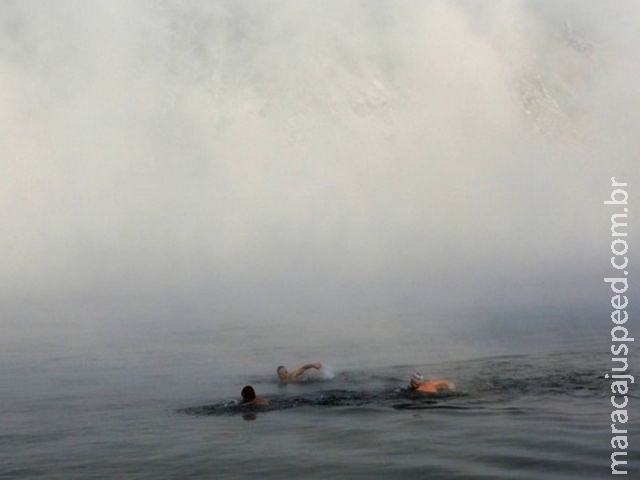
192, 193
351, 170
344, 162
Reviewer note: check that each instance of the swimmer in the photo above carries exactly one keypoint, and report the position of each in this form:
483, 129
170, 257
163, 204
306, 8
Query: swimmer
285, 375
438, 385
249, 397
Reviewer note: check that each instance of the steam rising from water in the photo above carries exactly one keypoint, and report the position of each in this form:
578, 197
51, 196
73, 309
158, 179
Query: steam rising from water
287, 162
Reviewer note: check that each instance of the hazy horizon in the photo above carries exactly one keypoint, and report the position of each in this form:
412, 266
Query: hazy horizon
350, 164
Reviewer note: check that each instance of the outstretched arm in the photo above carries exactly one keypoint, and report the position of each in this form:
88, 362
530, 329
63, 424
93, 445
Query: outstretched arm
300, 370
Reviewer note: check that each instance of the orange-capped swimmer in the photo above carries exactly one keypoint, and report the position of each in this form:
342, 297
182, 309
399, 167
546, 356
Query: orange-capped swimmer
249, 397
436, 385
285, 375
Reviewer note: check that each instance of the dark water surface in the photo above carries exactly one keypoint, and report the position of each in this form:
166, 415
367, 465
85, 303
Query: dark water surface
167, 411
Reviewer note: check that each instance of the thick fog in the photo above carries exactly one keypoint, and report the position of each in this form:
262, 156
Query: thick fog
339, 163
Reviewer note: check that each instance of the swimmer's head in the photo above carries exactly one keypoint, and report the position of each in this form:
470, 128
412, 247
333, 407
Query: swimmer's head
416, 379
248, 394
282, 372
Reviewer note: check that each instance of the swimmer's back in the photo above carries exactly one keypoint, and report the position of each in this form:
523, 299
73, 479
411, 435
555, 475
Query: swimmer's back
434, 386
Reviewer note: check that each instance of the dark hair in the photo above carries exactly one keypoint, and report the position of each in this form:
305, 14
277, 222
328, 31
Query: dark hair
248, 394
278, 369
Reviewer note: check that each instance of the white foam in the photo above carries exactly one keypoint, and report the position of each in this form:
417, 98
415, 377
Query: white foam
326, 372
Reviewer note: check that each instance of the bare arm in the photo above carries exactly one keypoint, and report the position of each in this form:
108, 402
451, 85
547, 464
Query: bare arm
300, 370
